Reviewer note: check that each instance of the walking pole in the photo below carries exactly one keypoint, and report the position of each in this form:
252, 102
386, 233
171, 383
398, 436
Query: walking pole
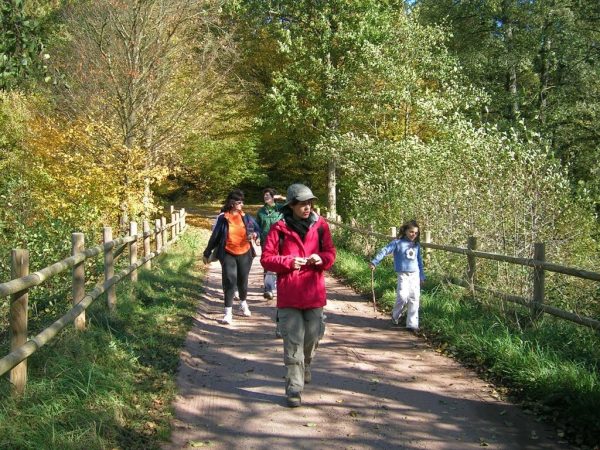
373, 291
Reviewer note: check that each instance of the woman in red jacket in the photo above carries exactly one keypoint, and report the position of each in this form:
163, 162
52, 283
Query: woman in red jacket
299, 248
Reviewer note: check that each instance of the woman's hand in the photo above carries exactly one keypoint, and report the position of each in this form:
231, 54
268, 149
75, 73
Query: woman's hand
299, 262
314, 259
371, 266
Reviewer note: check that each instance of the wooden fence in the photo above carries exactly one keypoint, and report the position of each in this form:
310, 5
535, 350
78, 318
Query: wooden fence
20, 346
537, 263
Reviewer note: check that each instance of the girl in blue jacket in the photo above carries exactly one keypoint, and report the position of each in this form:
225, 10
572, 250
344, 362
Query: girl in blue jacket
408, 263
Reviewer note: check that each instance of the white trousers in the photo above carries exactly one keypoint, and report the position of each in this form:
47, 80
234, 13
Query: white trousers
408, 294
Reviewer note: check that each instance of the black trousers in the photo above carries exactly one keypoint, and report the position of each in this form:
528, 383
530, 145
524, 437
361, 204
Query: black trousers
235, 270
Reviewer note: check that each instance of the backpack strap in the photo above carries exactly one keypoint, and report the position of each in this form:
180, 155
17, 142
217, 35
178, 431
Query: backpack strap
281, 237
320, 231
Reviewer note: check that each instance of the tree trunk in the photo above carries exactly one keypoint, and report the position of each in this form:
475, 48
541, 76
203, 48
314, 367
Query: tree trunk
544, 74
331, 186
511, 74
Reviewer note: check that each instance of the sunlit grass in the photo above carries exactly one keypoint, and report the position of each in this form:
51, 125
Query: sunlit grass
552, 366
111, 386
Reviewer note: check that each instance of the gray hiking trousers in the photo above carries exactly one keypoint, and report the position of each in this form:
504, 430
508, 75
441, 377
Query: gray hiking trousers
301, 331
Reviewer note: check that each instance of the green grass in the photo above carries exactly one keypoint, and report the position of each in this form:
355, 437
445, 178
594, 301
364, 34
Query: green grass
551, 366
111, 386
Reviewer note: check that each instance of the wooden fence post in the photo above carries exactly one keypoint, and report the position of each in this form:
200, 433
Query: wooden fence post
78, 282
18, 318
428, 250
539, 280
174, 222
182, 219
109, 269
176, 227
146, 227
133, 250
158, 235
471, 264
163, 224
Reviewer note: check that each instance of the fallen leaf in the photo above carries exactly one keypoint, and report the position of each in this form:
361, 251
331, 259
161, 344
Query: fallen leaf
310, 424
533, 435
353, 413
197, 444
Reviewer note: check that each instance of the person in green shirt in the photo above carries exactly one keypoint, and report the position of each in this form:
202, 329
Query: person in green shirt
269, 214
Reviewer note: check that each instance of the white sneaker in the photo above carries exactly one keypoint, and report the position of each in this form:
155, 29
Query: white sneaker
245, 309
228, 317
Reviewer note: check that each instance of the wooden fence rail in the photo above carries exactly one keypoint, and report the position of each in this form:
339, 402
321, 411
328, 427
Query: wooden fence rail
20, 346
538, 263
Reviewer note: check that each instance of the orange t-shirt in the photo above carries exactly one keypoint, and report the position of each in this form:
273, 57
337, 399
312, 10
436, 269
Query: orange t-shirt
237, 239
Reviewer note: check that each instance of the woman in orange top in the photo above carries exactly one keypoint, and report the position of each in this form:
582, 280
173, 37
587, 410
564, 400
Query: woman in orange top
232, 236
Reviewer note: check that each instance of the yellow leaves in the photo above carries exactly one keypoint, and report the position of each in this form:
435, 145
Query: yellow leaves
82, 165
198, 444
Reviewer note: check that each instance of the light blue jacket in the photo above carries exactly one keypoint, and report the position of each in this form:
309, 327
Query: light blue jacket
407, 256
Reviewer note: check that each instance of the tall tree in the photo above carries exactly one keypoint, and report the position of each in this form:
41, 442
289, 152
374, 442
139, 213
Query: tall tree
345, 67
146, 68
540, 63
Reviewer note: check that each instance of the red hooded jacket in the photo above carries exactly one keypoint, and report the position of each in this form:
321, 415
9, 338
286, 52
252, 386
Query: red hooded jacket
304, 288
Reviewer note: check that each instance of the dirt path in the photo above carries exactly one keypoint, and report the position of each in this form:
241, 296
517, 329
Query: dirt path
374, 386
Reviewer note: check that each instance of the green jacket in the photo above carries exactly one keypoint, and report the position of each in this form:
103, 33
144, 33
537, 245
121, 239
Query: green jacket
267, 216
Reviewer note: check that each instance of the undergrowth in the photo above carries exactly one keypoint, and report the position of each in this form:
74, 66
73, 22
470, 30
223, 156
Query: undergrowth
550, 365
111, 386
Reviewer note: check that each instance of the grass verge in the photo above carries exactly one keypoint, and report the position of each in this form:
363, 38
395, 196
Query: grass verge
550, 366
111, 387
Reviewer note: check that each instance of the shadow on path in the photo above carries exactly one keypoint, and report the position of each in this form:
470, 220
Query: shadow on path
374, 386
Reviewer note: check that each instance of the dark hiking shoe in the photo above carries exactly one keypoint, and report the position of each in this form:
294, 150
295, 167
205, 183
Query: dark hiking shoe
294, 400
268, 295
307, 375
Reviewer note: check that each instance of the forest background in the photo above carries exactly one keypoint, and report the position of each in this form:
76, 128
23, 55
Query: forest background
475, 118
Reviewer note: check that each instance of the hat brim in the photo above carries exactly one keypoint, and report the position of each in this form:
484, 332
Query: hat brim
300, 198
